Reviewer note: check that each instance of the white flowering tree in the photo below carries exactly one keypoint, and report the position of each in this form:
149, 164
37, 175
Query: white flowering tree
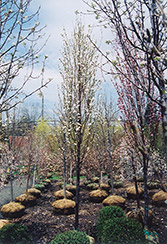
78, 70
19, 33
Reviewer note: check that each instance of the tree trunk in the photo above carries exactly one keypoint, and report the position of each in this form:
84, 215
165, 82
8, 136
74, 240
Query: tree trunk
11, 188
35, 168
28, 178
135, 180
110, 159
101, 170
79, 142
27, 185
77, 190
1, 125
145, 168
42, 107
101, 176
71, 172
34, 175
11, 182
164, 123
64, 160
137, 193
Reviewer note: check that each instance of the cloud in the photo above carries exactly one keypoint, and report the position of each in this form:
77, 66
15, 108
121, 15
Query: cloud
56, 14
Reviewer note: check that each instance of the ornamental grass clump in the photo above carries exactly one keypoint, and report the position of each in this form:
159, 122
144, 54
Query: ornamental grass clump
122, 231
26, 199
71, 188
105, 187
60, 194
35, 192
131, 192
159, 198
12, 210
114, 200
71, 237
97, 195
64, 206
107, 213
15, 234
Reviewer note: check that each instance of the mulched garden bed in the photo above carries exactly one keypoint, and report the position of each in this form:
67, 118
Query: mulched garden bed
44, 224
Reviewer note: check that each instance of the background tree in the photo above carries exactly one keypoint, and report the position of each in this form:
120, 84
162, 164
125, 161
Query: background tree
100, 140
25, 120
110, 122
8, 166
105, 138
78, 68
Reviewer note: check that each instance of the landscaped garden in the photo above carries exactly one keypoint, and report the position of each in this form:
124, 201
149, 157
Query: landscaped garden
94, 170
106, 224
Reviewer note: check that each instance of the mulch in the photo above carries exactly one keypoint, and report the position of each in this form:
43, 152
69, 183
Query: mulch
44, 225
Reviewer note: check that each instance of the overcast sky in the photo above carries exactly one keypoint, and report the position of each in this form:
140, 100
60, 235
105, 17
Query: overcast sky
56, 14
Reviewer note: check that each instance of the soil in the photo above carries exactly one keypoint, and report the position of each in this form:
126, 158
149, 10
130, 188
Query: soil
45, 225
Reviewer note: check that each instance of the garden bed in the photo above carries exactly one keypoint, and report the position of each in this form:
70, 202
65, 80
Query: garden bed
44, 224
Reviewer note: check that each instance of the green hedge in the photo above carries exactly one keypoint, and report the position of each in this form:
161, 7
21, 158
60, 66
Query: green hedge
15, 234
107, 213
71, 237
122, 231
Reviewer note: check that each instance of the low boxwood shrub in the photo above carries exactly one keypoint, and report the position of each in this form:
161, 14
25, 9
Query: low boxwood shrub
55, 177
107, 213
15, 234
39, 186
118, 184
71, 237
153, 185
122, 231
92, 186
87, 182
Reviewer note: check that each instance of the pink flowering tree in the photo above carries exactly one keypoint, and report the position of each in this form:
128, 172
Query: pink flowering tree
140, 116
143, 25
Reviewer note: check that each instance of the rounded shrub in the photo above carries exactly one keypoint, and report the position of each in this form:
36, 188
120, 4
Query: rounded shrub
92, 186
153, 185
122, 231
108, 213
118, 184
87, 182
39, 186
15, 234
71, 237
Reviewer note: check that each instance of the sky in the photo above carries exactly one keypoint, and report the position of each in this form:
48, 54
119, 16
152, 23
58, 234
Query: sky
56, 15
